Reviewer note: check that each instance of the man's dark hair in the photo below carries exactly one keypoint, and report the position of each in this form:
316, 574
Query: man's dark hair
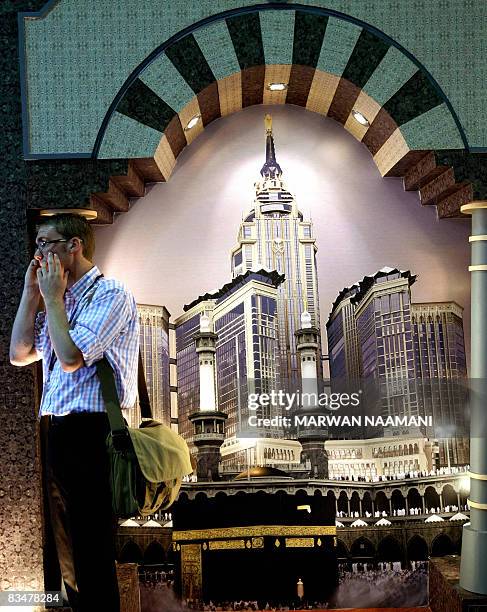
70, 225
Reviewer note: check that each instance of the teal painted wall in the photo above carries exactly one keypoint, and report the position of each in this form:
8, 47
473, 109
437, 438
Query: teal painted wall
80, 54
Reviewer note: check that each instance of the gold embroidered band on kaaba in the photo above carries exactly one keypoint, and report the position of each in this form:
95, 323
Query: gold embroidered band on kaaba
254, 531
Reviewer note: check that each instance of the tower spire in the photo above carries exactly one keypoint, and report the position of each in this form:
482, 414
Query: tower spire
271, 168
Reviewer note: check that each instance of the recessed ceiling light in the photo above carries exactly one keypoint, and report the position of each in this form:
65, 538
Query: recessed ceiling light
87, 213
192, 122
277, 86
360, 118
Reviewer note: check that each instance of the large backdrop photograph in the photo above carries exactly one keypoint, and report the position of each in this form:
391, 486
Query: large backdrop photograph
245, 294
190, 239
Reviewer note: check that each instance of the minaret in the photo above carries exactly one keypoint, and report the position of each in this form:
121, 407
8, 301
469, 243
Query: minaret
275, 236
208, 422
312, 438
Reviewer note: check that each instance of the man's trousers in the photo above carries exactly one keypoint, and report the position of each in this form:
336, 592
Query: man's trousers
77, 472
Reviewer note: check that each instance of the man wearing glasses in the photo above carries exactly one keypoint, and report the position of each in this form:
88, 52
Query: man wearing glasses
85, 317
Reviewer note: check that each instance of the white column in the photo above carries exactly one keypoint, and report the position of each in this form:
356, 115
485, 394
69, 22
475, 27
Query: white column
309, 374
207, 383
207, 371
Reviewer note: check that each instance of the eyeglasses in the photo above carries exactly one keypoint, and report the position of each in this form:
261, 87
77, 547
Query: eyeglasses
42, 243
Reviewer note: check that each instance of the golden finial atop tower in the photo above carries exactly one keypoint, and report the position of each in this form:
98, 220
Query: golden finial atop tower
268, 124
271, 168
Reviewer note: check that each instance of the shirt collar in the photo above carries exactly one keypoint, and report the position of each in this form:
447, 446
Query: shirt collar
81, 285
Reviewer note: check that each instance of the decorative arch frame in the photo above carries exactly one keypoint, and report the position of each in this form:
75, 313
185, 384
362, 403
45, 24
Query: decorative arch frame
412, 123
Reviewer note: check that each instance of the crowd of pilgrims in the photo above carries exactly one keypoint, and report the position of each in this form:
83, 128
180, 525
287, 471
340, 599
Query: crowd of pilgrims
385, 584
255, 606
156, 593
383, 478
389, 586
443, 471
402, 512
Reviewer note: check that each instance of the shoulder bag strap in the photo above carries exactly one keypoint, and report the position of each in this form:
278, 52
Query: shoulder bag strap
144, 401
106, 377
110, 396
109, 393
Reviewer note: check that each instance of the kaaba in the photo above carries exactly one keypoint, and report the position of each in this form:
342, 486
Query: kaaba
253, 538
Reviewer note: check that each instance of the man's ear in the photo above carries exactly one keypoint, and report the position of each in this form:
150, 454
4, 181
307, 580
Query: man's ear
75, 245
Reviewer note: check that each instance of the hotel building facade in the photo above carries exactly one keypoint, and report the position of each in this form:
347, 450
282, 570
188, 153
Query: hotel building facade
255, 316
243, 315
413, 353
275, 236
159, 365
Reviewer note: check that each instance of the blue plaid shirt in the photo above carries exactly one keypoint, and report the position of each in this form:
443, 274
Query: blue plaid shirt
106, 326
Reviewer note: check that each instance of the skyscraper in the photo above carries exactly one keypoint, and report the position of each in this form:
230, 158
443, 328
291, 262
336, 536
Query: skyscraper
243, 314
369, 335
154, 347
343, 340
439, 344
415, 354
383, 315
188, 384
255, 318
439, 355
274, 236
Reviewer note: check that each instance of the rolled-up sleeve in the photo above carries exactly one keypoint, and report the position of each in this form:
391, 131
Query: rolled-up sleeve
100, 324
39, 324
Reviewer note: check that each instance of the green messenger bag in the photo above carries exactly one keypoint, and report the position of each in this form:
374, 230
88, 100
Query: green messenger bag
148, 463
